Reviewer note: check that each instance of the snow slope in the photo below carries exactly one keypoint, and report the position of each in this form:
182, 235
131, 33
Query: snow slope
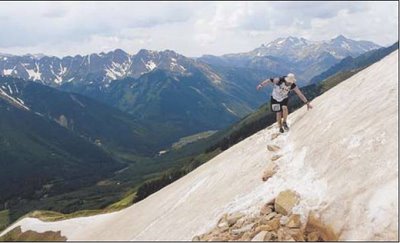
341, 157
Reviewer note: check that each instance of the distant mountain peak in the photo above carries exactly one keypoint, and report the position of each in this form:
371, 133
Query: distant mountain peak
120, 51
291, 38
285, 41
146, 52
299, 48
37, 56
341, 37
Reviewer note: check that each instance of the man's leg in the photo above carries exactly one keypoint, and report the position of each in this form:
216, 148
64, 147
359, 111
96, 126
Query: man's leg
285, 112
279, 120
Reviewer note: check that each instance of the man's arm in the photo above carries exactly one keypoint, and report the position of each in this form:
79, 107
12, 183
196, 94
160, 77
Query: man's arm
302, 97
265, 82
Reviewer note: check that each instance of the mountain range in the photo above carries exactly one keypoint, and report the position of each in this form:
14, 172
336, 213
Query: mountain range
279, 56
298, 55
100, 69
180, 96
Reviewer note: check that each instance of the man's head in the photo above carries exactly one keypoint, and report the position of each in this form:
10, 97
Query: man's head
290, 78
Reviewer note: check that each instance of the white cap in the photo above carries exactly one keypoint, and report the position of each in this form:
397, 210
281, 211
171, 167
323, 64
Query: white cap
290, 78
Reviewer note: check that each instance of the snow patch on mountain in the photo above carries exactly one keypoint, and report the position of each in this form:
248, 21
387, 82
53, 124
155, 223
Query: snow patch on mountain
34, 74
174, 66
15, 101
8, 71
59, 77
231, 111
9, 89
150, 65
345, 46
76, 100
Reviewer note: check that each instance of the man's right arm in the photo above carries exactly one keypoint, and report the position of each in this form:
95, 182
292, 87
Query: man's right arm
263, 83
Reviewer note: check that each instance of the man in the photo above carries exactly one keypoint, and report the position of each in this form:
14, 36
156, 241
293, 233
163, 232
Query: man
279, 98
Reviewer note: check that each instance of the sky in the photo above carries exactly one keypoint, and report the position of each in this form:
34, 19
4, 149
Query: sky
189, 28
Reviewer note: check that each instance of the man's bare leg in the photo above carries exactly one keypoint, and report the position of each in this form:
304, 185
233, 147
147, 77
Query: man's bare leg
279, 120
285, 115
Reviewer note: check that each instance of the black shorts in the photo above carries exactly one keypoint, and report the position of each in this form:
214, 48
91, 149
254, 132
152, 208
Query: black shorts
276, 106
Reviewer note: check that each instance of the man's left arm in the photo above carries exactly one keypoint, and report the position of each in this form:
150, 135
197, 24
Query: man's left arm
302, 97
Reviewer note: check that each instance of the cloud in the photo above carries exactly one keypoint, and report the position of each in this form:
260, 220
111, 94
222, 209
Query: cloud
52, 22
191, 28
58, 12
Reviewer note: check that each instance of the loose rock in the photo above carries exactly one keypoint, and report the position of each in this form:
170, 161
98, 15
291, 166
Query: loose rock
275, 157
266, 209
269, 171
243, 229
284, 235
297, 234
270, 216
275, 135
231, 219
285, 201
273, 148
313, 236
270, 236
294, 221
260, 236
263, 228
246, 237
196, 238
239, 223
223, 224
274, 224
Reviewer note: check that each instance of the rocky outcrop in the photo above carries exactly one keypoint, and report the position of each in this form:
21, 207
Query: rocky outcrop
270, 225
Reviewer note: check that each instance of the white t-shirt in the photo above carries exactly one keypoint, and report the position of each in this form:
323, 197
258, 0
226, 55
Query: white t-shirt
281, 90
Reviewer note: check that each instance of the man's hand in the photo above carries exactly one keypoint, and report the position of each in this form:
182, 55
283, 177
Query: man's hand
259, 87
309, 106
